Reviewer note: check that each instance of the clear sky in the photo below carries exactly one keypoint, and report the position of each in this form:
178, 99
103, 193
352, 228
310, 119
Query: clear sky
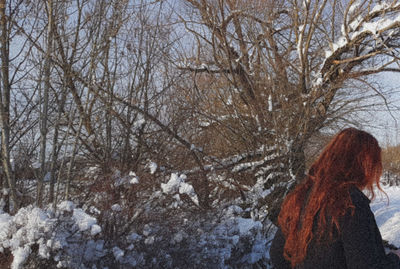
385, 125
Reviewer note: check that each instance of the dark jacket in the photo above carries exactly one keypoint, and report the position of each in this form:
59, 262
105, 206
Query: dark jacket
357, 246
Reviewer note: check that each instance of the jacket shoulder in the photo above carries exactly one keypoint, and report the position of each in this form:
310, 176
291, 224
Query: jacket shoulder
358, 198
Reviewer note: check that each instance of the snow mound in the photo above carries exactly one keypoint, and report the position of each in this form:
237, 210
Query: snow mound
83, 220
387, 215
176, 184
65, 238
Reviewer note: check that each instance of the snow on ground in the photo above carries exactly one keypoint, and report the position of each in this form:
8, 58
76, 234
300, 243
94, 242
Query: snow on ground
227, 241
64, 238
388, 215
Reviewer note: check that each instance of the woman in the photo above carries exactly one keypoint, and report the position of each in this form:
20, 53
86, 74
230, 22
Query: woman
326, 222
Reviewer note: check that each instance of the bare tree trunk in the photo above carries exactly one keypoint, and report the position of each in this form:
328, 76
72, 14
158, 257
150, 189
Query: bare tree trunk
64, 158
44, 110
56, 145
71, 162
106, 80
5, 107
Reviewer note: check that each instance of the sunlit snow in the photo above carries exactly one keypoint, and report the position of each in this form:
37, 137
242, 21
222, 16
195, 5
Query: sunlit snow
388, 215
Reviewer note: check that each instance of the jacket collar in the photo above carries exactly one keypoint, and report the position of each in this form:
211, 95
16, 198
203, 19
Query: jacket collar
357, 192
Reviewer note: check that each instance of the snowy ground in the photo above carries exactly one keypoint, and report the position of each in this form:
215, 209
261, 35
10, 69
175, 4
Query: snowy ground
73, 238
388, 215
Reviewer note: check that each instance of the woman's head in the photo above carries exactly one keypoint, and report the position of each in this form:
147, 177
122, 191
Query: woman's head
352, 158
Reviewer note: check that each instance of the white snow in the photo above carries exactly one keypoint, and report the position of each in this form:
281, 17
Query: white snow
379, 25
204, 123
306, 3
317, 81
118, 253
353, 25
252, 165
153, 167
20, 256
94, 210
384, 5
355, 5
270, 108
178, 184
92, 171
188, 189
247, 225
147, 230
127, 180
388, 215
116, 208
66, 206
372, 27
19, 232
149, 240
229, 100
233, 211
134, 179
139, 123
133, 237
84, 221
5, 226
36, 165
173, 184
300, 50
341, 42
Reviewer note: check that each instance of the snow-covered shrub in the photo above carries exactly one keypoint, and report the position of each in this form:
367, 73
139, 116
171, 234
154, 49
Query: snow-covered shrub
63, 241
72, 240
136, 220
208, 239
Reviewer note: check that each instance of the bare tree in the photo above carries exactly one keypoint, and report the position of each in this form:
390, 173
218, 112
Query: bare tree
13, 70
45, 97
276, 69
238, 87
5, 104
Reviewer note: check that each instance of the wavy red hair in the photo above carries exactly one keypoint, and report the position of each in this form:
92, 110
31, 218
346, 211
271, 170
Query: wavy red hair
352, 158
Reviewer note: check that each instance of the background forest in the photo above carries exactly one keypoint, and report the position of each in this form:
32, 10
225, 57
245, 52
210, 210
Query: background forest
149, 134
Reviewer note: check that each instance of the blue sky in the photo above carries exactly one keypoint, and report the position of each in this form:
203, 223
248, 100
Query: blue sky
384, 125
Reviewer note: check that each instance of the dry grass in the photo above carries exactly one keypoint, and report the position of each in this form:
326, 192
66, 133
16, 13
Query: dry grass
391, 159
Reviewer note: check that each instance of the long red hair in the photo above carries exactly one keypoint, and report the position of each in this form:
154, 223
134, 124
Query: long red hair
352, 158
